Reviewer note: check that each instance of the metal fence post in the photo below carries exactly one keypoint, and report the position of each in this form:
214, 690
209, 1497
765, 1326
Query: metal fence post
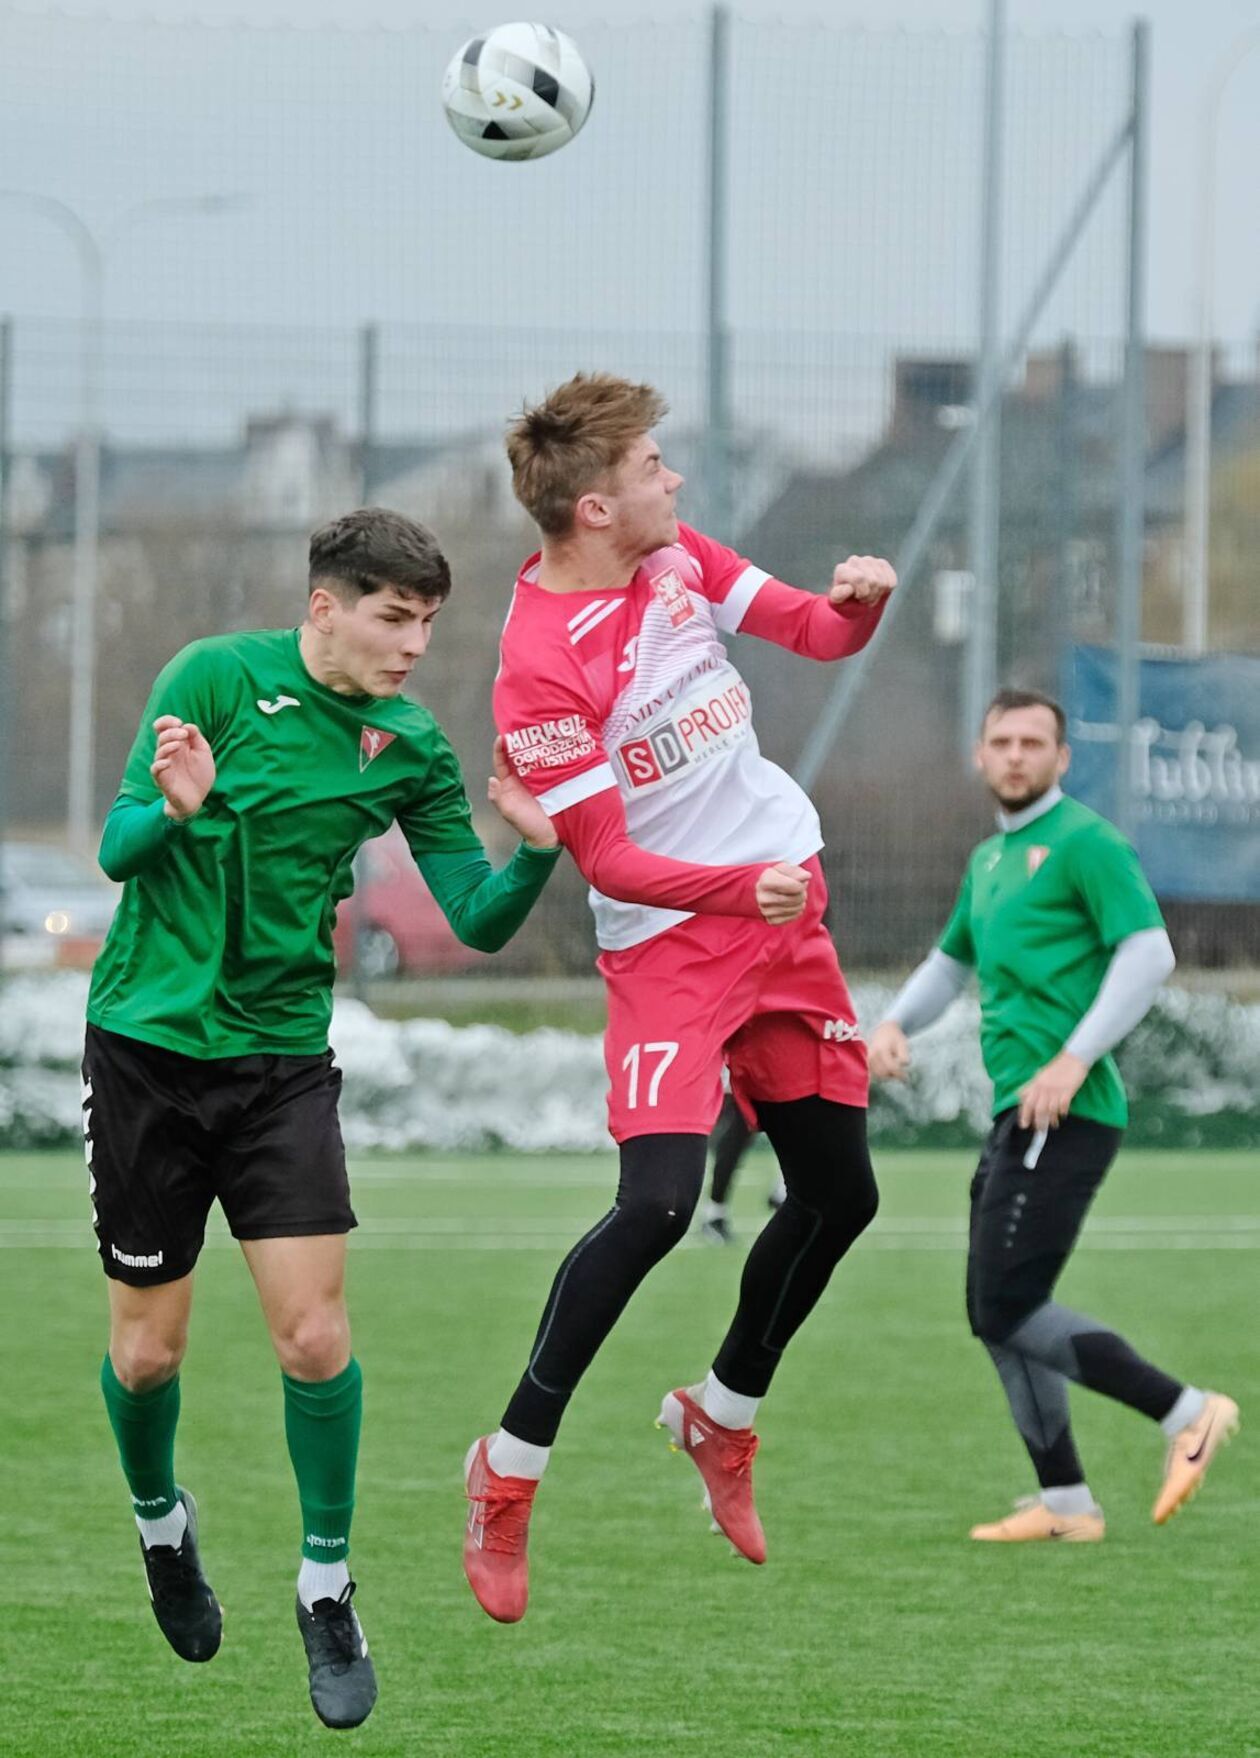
369, 386
985, 518
717, 438
1132, 511
6, 706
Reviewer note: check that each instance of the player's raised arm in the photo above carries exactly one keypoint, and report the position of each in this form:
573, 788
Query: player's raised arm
824, 626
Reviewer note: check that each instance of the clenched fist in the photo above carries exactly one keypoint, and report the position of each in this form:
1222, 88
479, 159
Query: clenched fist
781, 893
863, 579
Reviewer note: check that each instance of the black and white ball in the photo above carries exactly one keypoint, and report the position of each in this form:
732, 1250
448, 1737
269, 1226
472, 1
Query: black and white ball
519, 91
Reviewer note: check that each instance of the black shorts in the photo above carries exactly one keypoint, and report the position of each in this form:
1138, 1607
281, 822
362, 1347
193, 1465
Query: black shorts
166, 1134
1029, 1198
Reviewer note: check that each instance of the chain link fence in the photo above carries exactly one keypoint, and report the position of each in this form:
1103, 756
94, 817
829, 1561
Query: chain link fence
362, 304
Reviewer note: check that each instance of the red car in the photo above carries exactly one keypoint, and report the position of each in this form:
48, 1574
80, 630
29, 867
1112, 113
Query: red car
402, 930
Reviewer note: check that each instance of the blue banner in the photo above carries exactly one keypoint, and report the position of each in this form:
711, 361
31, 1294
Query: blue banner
1194, 767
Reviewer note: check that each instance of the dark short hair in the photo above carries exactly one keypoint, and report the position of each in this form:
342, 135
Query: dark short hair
373, 548
1007, 699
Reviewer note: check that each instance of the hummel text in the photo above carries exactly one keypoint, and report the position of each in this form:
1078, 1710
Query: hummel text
139, 1260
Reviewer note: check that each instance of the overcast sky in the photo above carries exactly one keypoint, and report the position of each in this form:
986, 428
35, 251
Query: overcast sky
1189, 38
854, 175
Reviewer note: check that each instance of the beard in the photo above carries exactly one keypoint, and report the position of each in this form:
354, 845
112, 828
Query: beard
1028, 795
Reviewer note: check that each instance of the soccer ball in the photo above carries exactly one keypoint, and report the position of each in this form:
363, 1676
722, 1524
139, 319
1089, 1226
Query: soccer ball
519, 91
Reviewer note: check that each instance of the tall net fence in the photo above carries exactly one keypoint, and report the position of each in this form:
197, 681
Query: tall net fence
313, 295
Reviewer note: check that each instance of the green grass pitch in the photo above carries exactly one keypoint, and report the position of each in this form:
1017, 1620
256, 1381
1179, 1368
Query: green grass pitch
876, 1630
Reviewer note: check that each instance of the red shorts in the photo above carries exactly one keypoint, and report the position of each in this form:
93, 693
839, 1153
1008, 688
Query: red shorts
769, 1002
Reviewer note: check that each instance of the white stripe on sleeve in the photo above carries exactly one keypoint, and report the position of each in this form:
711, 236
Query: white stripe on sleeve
577, 788
730, 613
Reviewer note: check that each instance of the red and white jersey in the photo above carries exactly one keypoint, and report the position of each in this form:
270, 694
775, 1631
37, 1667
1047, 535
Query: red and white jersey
633, 689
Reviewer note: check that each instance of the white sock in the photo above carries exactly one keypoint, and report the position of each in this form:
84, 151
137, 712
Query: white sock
1187, 1409
778, 1191
730, 1409
512, 1458
169, 1529
322, 1581
717, 1211
1069, 1498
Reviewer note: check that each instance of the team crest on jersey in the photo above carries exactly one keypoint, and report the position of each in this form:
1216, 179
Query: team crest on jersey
1036, 855
669, 588
372, 741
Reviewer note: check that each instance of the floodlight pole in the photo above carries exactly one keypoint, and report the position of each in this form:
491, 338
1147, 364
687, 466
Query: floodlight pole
80, 731
87, 478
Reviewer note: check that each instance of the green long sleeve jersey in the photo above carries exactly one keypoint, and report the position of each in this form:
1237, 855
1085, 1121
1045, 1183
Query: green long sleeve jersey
1039, 914
222, 941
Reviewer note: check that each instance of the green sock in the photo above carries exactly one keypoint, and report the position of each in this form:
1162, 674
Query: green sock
144, 1427
321, 1424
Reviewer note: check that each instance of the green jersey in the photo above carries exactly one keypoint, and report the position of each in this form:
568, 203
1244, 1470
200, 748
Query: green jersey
1039, 913
222, 942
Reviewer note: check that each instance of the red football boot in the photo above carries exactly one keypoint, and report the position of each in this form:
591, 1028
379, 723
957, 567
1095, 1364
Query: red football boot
723, 1457
498, 1531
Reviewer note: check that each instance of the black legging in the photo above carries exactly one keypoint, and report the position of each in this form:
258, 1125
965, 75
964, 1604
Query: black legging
831, 1198
729, 1141
1029, 1199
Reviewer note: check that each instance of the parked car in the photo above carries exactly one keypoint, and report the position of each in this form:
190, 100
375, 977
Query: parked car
401, 928
54, 906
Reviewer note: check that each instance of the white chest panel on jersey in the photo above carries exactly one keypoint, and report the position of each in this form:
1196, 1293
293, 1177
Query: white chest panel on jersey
680, 740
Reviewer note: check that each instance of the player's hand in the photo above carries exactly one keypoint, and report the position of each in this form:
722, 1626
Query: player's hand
888, 1052
183, 766
1044, 1102
781, 893
515, 804
863, 579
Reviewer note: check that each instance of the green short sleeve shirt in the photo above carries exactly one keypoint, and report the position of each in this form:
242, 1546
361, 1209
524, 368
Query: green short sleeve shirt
1038, 915
223, 946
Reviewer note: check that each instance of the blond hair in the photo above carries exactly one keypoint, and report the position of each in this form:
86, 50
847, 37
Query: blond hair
571, 442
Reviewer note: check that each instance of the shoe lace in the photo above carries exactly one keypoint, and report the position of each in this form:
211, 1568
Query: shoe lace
337, 1629
173, 1574
505, 1516
738, 1455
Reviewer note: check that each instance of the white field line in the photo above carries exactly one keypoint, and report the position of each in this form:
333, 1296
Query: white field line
547, 1233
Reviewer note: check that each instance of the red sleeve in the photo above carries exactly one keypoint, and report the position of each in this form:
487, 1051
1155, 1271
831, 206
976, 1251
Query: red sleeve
727, 579
748, 601
550, 733
808, 623
594, 832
